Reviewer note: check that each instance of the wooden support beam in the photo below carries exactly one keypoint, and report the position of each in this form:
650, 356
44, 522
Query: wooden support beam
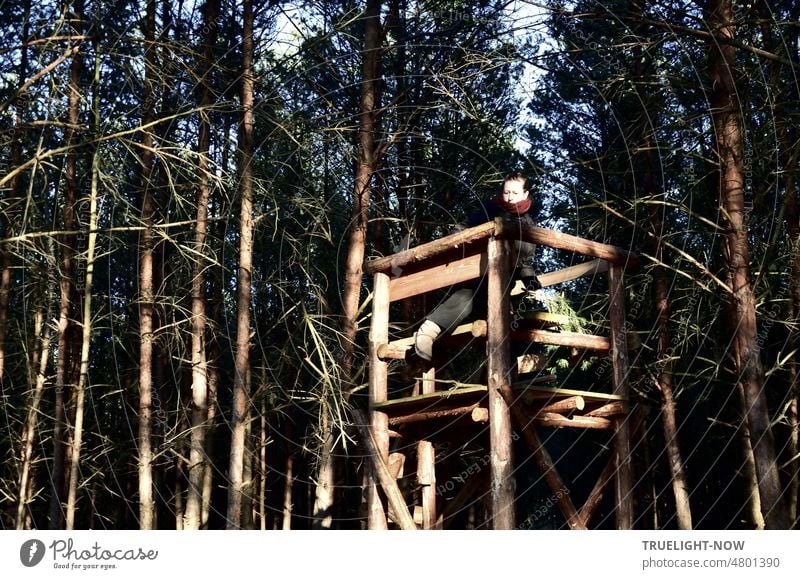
432, 415
569, 404
397, 349
545, 463
623, 481
426, 463
571, 339
426, 402
397, 262
559, 240
437, 276
498, 349
611, 409
553, 420
378, 392
596, 495
474, 483
388, 483
480, 414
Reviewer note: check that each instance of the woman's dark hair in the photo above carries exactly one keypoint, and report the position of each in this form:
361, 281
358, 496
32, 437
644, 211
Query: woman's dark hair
517, 176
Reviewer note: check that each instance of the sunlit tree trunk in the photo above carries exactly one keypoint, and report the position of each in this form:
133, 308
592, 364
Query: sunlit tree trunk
31, 424
146, 298
793, 228
83, 378
67, 287
324, 496
746, 350
197, 455
241, 403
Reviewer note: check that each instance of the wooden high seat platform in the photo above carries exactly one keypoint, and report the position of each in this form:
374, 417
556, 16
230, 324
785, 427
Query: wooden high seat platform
486, 251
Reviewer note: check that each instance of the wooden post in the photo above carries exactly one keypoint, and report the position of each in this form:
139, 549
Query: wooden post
499, 366
378, 392
426, 463
623, 479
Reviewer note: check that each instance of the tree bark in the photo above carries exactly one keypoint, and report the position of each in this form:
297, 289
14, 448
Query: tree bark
146, 294
83, 377
9, 217
324, 492
680, 483
68, 297
745, 346
31, 424
197, 455
241, 405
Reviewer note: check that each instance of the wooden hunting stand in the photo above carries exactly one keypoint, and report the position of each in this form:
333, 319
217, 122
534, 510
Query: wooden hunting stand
461, 257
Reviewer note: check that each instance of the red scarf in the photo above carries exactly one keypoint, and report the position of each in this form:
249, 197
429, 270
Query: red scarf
520, 208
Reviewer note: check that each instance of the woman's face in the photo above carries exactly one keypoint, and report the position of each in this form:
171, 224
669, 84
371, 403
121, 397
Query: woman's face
514, 191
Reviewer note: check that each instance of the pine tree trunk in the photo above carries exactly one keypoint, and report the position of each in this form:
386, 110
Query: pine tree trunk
83, 377
146, 293
9, 216
43, 353
793, 343
197, 455
753, 497
644, 136
680, 484
240, 414
324, 492
746, 350
67, 288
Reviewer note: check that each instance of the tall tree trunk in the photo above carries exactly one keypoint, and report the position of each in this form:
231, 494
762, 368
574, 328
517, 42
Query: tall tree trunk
67, 287
680, 483
197, 456
746, 350
644, 135
371, 56
793, 229
146, 296
83, 377
41, 330
8, 218
241, 403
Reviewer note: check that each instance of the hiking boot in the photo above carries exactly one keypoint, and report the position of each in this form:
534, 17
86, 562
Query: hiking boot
424, 338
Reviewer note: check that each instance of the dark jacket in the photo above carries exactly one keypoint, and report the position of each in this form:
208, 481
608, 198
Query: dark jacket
525, 266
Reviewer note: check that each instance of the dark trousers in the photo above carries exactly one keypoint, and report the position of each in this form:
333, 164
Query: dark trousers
458, 306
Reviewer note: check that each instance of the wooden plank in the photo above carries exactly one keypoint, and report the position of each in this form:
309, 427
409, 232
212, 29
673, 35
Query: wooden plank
429, 400
549, 392
378, 392
594, 267
397, 262
560, 240
436, 277
498, 349
623, 481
